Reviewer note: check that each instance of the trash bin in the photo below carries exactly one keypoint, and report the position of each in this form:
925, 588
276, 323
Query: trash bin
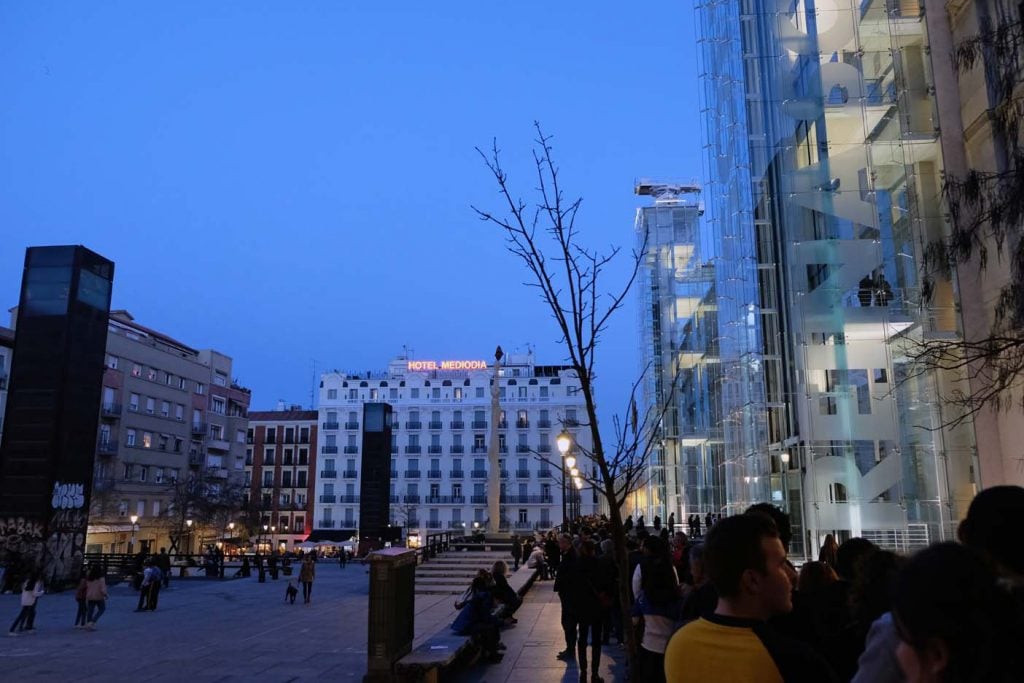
391, 612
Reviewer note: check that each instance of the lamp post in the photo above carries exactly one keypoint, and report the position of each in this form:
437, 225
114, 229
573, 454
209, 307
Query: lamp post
564, 443
131, 543
188, 549
266, 528
273, 530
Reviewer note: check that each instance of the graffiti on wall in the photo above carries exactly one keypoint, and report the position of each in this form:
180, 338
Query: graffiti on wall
65, 545
68, 496
20, 536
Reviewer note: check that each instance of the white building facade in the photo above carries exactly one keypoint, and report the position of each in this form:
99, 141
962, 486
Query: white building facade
439, 449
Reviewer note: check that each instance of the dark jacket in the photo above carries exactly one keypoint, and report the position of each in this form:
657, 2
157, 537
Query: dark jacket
586, 580
474, 614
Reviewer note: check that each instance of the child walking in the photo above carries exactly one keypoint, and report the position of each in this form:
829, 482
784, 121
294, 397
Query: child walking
31, 590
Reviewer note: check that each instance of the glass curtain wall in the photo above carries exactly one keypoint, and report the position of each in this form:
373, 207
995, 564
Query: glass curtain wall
825, 164
678, 324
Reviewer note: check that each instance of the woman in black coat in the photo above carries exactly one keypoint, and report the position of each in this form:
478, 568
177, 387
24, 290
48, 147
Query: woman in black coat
590, 599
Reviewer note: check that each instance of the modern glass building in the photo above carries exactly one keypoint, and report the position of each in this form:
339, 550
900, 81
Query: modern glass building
823, 185
678, 322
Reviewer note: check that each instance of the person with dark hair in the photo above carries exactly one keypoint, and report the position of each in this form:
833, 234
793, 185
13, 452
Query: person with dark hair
995, 527
476, 619
564, 587
954, 621
656, 607
96, 596
815, 576
780, 518
31, 590
747, 564
503, 592
589, 597
827, 554
80, 616
874, 633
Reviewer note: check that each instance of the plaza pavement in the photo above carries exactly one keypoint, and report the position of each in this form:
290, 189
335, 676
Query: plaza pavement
206, 630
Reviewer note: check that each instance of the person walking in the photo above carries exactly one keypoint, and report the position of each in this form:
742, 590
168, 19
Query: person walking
517, 552
96, 596
306, 575
146, 587
163, 563
565, 588
31, 591
343, 558
80, 619
590, 598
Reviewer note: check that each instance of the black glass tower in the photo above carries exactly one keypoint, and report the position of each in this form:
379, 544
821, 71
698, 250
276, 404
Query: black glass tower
375, 476
49, 438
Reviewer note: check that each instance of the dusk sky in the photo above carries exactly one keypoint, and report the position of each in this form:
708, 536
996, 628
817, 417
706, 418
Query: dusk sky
290, 182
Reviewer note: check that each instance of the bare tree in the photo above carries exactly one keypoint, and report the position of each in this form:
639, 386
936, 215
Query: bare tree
986, 211
546, 238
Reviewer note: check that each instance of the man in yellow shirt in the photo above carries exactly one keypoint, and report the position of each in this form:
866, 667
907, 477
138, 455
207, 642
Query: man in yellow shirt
747, 565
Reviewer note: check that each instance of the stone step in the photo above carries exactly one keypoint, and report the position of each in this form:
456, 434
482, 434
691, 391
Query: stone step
440, 590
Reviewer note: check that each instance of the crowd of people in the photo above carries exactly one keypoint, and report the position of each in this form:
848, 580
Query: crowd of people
730, 605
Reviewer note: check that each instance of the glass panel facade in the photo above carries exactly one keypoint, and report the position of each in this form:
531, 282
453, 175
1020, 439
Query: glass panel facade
823, 181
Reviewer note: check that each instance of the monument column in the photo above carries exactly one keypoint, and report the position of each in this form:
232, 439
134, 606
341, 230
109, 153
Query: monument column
494, 474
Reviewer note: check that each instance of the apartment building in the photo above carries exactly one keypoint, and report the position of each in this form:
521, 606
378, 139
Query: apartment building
280, 474
439, 451
172, 433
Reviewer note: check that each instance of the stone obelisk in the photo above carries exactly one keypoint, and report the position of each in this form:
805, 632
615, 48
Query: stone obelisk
494, 472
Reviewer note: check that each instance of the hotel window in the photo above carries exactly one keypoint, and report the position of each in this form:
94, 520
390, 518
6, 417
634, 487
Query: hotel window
522, 516
353, 394
156, 508
303, 434
300, 524
147, 439
373, 394
332, 394
288, 456
393, 394
479, 392
414, 393
522, 392
544, 391
457, 490
286, 479
300, 479
268, 456
435, 392
457, 393
122, 508
303, 456
271, 435
478, 441
268, 479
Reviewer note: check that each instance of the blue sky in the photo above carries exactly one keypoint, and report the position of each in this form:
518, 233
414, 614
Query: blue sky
290, 182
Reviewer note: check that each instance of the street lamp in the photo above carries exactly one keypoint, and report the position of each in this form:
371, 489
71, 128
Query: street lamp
131, 544
188, 523
266, 528
273, 530
564, 443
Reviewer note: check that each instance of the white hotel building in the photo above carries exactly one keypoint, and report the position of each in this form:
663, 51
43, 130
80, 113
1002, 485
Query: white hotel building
440, 431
